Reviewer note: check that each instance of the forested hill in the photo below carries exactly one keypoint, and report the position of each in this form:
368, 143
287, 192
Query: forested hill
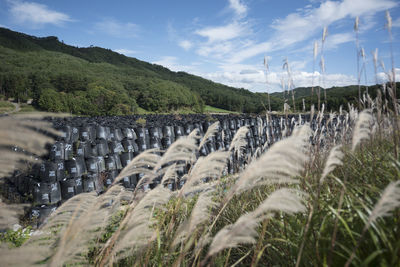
98, 81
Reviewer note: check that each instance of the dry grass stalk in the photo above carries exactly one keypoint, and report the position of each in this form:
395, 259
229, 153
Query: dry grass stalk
144, 163
211, 131
266, 81
243, 231
322, 66
10, 214
209, 167
137, 232
315, 53
290, 81
334, 159
200, 214
279, 164
362, 128
239, 142
29, 134
170, 174
389, 201
183, 149
59, 230
72, 227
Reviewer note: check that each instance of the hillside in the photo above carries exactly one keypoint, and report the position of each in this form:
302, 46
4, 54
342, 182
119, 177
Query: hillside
78, 78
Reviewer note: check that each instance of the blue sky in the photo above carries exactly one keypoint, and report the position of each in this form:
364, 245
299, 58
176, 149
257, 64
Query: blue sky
225, 40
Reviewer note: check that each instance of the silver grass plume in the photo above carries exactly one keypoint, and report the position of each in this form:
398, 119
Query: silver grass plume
286, 107
25, 134
312, 112
211, 131
281, 163
22, 141
200, 214
388, 20
97, 213
285, 200
356, 23
334, 159
201, 211
321, 114
144, 163
183, 149
315, 49
390, 200
375, 60
203, 187
315, 53
170, 174
362, 128
239, 141
195, 134
62, 219
10, 214
210, 166
260, 124
243, 231
324, 34
137, 231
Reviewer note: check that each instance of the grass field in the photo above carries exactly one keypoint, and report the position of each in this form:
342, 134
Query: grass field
210, 109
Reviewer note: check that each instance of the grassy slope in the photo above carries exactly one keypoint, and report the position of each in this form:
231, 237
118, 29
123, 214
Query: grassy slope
6, 107
210, 109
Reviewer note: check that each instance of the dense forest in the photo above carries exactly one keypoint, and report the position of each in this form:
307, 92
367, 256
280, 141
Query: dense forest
98, 81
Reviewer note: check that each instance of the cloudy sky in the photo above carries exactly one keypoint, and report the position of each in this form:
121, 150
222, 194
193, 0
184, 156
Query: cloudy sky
226, 40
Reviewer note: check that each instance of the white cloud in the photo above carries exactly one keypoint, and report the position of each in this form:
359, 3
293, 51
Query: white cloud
251, 51
222, 33
218, 51
340, 38
384, 77
117, 29
185, 44
36, 15
255, 80
239, 8
310, 22
324, 15
126, 52
172, 63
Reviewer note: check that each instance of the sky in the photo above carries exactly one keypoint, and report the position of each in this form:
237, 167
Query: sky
228, 41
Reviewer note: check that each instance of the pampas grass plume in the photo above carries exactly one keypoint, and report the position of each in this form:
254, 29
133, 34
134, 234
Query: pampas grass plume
362, 128
243, 231
390, 200
334, 159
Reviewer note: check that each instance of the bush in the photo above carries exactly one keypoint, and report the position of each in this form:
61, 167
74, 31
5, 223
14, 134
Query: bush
16, 238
